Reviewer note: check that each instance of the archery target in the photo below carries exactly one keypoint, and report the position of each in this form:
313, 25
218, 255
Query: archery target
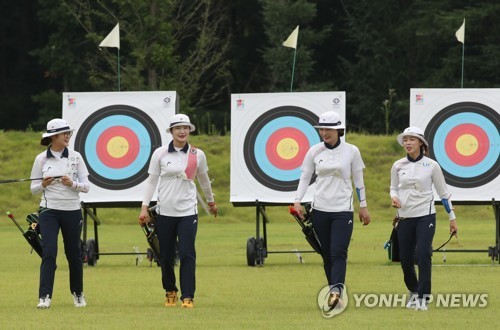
462, 128
270, 135
276, 144
116, 133
116, 143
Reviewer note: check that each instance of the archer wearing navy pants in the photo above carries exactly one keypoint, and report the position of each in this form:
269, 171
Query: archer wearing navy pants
338, 166
173, 168
70, 224
59, 176
415, 243
413, 181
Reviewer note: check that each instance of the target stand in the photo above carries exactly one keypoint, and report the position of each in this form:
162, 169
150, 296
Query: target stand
92, 251
257, 247
493, 251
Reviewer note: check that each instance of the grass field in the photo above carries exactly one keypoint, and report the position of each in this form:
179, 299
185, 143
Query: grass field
280, 295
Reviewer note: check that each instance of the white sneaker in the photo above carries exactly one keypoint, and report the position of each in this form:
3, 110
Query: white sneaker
44, 302
79, 300
412, 301
422, 305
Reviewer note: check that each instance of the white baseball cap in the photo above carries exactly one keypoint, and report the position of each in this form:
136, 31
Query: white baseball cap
180, 120
412, 131
57, 126
330, 120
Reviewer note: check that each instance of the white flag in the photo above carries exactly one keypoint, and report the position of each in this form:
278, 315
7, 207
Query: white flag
460, 34
112, 39
292, 39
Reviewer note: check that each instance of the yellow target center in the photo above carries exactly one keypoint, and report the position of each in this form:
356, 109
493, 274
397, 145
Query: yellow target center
467, 145
287, 148
117, 147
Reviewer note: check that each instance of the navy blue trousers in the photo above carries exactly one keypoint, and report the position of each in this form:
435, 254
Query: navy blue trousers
70, 224
180, 232
415, 244
334, 230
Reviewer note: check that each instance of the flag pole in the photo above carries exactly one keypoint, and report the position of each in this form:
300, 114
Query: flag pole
463, 57
460, 34
118, 69
293, 68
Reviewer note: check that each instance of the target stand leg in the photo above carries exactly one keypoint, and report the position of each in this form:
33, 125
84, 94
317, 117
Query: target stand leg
92, 213
257, 246
494, 251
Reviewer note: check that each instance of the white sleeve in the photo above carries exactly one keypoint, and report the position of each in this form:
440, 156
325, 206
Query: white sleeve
394, 190
308, 169
36, 172
82, 185
305, 178
205, 185
150, 185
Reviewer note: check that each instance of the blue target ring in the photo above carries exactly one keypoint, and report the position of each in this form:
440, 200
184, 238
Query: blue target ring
449, 122
265, 133
134, 120
92, 140
287, 119
456, 169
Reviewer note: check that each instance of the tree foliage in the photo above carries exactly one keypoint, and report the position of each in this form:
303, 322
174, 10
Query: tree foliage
376, 51
164, 45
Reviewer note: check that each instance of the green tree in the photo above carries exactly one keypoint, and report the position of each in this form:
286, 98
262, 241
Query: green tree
376, 64
164, 45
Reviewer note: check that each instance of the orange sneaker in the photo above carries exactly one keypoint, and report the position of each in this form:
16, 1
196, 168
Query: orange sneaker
187, 303
171, 298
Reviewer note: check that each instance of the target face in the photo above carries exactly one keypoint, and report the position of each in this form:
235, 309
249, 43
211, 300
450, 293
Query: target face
276, 144
116, 143
463, 135
116, 134
270, 136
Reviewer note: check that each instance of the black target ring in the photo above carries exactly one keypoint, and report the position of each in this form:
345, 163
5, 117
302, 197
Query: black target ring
136, 122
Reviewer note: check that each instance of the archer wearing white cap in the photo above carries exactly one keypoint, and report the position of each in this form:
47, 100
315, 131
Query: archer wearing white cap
176, 166
412, 179
337, 164
65, 176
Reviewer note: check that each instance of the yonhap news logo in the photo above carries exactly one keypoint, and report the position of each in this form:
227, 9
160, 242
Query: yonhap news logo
440, 300
331, 303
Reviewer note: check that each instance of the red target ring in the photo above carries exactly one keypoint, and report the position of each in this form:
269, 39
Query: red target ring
117, 147
467, 144
286, 148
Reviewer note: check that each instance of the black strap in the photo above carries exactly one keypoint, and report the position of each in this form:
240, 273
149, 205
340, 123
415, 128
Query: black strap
449, 239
